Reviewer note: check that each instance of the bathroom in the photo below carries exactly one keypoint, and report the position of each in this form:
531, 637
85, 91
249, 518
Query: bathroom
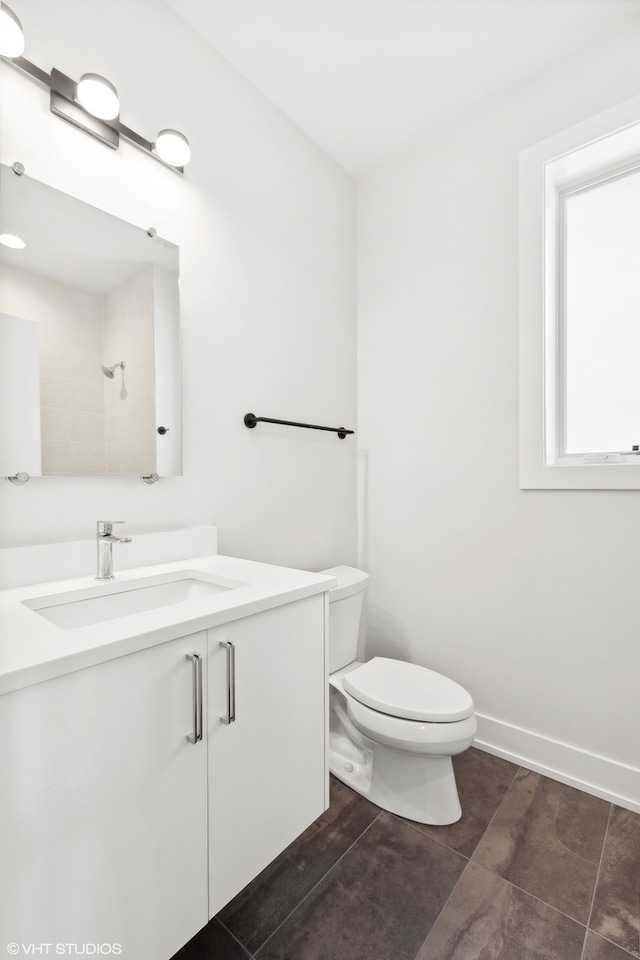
384, 299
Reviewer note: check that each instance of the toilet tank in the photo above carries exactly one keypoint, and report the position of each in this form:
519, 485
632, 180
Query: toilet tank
345, 607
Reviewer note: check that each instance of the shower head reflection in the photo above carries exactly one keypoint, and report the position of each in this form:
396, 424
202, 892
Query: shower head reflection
109, 371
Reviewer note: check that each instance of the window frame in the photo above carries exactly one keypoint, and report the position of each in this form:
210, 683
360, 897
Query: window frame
601, 148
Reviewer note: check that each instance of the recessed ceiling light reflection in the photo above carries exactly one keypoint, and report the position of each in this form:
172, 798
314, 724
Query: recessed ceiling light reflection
10, 240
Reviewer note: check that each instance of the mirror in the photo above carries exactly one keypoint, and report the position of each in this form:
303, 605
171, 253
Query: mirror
89, 340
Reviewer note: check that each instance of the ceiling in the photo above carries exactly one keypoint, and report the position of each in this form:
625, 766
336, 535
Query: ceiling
366, 79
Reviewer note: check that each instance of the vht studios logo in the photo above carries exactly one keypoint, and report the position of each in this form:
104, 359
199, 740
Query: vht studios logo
64, 949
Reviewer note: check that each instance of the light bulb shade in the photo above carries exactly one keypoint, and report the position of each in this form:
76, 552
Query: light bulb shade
98, 96
172, 147
11, 35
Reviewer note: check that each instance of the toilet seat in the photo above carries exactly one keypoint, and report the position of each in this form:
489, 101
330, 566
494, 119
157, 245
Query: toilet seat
411, 736
408, 691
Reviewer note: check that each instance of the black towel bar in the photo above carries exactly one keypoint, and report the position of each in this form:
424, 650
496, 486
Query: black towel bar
250, 420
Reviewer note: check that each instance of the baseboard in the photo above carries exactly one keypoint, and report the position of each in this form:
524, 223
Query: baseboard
600, 776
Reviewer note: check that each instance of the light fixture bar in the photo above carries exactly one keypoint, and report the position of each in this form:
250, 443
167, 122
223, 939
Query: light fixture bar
78, 116
134, 137
32, 69
64, 104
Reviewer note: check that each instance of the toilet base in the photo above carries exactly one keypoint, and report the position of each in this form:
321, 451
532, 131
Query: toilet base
416, 787
351, 764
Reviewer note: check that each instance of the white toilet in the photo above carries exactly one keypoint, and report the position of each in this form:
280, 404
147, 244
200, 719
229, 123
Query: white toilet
394, 726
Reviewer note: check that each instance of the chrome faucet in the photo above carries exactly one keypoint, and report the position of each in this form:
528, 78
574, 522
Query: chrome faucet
106, 540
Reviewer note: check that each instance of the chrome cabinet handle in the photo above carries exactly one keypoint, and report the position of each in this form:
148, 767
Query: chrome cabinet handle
196, 661
230, 648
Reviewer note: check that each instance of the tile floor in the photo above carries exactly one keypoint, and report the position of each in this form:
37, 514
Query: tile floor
534, 870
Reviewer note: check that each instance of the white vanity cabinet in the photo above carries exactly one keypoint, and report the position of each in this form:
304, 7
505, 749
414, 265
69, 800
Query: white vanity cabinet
267, 767
119, 825
103, 818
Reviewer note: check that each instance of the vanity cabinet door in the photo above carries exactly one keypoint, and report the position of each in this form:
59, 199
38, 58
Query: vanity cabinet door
267, 768
103, 826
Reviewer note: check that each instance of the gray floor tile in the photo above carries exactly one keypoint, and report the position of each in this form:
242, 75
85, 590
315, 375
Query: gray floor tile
261, 907
213, 942
547, 838
596, 948
616, 907
361, 884
487, 918
378, 903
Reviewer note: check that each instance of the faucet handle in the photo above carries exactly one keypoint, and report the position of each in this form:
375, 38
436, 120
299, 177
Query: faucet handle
105, 527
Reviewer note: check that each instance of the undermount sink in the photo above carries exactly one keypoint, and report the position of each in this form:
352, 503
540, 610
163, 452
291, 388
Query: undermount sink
81, 608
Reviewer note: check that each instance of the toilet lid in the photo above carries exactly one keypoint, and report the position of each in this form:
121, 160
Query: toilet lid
408, 690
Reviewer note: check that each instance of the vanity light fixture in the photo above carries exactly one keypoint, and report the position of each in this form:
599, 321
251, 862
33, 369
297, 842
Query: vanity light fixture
11, 33
91, 104
98, 96
172, 147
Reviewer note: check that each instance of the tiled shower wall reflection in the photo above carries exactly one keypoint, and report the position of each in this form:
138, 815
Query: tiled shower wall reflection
91, 425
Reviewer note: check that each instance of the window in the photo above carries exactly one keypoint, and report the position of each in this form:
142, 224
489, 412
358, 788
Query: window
580, 306
599, 317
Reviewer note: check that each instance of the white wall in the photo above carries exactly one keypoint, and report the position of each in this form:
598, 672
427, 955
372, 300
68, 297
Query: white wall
266, 228
527, 598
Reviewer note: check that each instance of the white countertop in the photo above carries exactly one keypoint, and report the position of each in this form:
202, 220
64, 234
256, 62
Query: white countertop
32, 649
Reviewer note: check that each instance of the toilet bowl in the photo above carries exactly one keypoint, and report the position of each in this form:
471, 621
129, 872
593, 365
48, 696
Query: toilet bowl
394, 726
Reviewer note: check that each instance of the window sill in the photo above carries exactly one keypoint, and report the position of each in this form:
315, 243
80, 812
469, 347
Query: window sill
575, 475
